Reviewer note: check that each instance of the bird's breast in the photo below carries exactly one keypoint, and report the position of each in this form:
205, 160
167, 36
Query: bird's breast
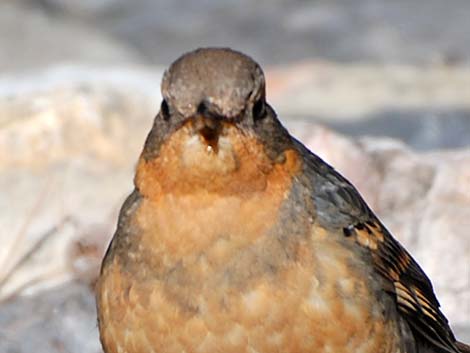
232, 274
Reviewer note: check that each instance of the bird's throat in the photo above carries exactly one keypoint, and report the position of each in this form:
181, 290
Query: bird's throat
230, 163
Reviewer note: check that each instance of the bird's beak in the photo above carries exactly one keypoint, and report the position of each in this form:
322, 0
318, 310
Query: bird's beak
209, 128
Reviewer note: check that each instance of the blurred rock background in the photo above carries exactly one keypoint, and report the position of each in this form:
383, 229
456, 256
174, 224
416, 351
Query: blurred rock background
380, 89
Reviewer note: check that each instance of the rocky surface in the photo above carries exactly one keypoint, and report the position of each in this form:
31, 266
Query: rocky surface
62, 319
426, 107
69, 140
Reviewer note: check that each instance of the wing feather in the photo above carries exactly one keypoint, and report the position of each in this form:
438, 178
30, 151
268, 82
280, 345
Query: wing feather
411, 287
339, 204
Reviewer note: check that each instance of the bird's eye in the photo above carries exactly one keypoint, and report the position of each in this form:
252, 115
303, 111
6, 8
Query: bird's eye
165, 110
259, 110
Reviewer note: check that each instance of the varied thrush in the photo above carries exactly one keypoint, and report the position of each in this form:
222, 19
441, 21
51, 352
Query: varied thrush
237, 238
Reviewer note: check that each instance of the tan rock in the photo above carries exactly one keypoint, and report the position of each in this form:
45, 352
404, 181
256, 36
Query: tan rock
345, 92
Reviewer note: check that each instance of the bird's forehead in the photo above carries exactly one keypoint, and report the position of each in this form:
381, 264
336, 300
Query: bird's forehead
222, 77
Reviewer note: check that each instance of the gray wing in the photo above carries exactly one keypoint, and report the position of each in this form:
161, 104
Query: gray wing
339, 205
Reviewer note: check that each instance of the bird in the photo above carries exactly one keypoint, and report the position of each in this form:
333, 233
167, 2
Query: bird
237, 238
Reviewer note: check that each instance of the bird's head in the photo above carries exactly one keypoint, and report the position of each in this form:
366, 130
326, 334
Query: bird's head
214, 126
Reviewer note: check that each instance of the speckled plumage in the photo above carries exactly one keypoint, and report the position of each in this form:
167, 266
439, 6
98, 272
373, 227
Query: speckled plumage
238, 239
